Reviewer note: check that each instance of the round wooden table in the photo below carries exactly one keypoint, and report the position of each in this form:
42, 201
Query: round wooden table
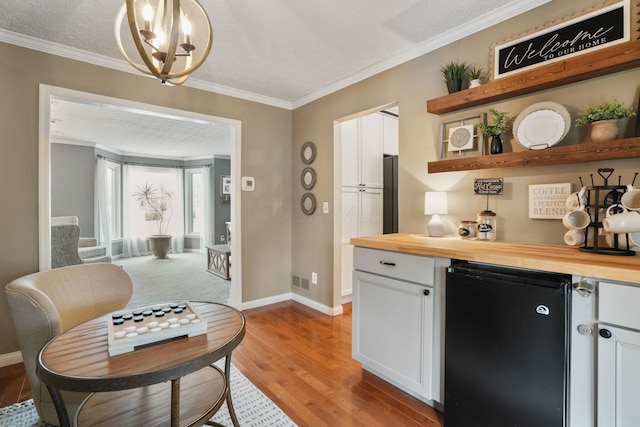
78, 360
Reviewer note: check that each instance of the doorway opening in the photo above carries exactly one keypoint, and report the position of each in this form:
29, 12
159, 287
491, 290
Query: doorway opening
50, 95
366, 149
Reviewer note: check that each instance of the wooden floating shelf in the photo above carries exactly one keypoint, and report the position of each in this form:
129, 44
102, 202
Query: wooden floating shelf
586, 152
609, 60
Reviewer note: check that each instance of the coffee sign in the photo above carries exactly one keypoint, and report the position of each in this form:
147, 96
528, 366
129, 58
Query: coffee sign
547, 201
595, 30
493, 186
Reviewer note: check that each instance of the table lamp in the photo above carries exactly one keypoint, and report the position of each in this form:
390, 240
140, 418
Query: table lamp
435, 204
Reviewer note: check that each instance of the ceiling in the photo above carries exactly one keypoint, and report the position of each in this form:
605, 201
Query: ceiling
284, 53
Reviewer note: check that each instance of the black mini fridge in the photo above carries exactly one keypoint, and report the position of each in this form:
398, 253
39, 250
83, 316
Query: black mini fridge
506, 347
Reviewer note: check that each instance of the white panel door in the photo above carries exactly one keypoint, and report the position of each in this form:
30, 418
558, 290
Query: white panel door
618, 377
371, 155
350, 153
350, 213
371, 205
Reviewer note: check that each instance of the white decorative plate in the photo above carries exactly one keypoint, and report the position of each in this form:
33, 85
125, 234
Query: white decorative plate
541, 125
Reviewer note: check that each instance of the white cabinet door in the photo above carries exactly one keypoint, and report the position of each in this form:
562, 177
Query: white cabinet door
371, 205
350, 153
350, 213
390, 135
371, 155
393, 330
618, 377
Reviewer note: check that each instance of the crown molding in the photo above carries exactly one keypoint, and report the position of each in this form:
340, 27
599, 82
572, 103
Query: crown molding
121, 65
481, 23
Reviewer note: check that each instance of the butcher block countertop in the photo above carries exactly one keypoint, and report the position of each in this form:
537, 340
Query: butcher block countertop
560, 259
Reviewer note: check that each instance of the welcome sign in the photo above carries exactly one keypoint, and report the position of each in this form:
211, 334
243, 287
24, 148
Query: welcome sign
598, 29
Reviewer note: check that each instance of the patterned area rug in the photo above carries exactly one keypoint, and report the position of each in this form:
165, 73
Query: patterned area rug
253, 408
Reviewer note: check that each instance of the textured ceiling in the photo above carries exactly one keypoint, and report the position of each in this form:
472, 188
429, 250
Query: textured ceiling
280, 52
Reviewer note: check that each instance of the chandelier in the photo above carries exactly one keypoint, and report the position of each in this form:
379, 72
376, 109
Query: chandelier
173, 38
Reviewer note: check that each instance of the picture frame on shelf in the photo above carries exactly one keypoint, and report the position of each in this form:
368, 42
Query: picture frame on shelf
461, 138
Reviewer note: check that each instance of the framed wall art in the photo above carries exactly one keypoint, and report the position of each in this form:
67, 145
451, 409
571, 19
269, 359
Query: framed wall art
603, 25
461, 138
225, 185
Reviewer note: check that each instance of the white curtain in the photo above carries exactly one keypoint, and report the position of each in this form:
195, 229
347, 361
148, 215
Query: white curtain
102, 224
207, 237
136, 227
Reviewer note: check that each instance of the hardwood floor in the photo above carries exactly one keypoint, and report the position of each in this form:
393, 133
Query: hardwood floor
301, 359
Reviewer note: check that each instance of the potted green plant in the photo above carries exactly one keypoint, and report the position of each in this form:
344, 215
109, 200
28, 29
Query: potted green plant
454, 73
156, 203
500, 124
604, 119
475, 75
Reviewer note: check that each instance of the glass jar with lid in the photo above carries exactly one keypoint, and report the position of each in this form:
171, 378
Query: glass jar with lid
467, 229
486, 225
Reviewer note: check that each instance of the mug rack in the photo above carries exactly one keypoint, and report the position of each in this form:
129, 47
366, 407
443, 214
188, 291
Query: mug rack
599, 199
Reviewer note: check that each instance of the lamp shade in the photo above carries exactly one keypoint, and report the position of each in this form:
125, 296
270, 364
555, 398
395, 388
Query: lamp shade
435, 203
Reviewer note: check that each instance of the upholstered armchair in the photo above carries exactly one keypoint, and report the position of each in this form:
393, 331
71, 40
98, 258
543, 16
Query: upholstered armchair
47, 303
68, 248
65, 238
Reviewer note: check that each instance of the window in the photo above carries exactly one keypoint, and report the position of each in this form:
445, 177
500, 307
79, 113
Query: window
114, 199
194, 201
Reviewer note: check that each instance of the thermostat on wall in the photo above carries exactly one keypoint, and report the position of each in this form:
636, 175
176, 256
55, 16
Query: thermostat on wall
248, 183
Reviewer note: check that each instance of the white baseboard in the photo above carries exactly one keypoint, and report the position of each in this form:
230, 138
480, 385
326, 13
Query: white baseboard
331, 311
266, 301
335, 311
10, 358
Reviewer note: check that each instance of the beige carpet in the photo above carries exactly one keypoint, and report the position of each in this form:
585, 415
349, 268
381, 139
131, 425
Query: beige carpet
180, 277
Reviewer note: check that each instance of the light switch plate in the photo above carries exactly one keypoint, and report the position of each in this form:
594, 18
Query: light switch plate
248, 183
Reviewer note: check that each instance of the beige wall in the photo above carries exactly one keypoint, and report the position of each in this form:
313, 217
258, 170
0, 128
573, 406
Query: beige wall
266, 148
411, 84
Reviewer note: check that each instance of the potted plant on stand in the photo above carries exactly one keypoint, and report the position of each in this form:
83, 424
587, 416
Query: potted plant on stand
500, 124
453, 73
156, 203
604, 120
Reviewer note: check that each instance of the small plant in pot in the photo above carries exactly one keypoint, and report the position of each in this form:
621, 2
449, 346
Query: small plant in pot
604, 119
475, 75
454, 73
156, 203
500, 124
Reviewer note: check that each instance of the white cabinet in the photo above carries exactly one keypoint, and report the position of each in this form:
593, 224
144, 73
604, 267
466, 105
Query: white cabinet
396, 319
362, 152
618, 397
361, 216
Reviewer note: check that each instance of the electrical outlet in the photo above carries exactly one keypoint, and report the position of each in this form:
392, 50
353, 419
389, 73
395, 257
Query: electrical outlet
314, 278
325, 207
222, 237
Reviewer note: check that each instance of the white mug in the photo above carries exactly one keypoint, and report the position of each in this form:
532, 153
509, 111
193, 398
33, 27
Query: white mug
626, 222
622, 241
574, 237
618, 207
576, 220
631, 199
576, 199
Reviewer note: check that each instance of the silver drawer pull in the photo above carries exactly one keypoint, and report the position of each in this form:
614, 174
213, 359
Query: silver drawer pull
390, 264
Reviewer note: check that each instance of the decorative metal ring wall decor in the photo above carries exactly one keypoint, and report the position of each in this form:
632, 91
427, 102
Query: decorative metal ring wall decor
308, 203
308, 178
308, 152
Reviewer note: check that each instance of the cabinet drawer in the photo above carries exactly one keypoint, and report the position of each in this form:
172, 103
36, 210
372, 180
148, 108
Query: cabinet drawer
413, 268
618, 304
